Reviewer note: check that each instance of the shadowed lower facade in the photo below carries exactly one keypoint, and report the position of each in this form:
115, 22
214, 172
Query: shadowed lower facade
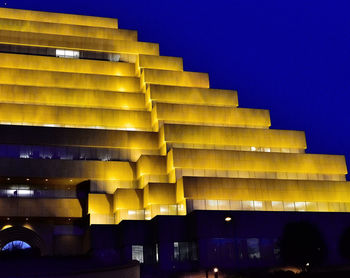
97, 129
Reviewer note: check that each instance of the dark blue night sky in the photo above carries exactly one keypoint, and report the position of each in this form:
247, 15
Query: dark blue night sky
292, 57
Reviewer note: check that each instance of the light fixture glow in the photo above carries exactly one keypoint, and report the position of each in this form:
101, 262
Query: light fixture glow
228, 219
6, 227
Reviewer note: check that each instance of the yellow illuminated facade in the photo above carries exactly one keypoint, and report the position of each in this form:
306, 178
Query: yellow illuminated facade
85, 103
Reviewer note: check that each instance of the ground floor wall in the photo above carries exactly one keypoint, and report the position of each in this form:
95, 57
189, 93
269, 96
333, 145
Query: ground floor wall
229, 240
201, 240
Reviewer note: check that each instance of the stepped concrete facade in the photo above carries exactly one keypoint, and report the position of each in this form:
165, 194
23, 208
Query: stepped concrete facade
96, 128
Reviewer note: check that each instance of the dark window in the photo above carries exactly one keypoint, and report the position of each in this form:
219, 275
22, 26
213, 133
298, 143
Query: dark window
185, 251
253, 248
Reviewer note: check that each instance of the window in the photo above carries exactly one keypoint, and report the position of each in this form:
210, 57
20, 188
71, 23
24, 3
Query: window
248, 205
289, 206
62, 53
253, 248
176, 251
19, 192
137, 253
113, 57
277, 205
276, 249
300, 206
258, 205
16, 245
157, 253
185, 251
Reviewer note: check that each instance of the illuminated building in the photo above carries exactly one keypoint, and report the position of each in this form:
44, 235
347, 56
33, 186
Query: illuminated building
97, 128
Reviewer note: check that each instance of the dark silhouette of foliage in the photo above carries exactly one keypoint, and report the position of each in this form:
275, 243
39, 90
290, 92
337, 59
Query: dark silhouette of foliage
302, 245
344, 244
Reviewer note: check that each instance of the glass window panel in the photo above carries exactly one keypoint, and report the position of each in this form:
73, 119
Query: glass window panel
277, 205
236, 205
223, 205
322, 206
137, 253
59, 52
184, 249
253, 248
147, 214
76, 54
199, 204
311, 206
68, 53
176, 251
212, 204
333, 207
276, 249
173, 209
289, 206
258, 205
300, 206
163, 209
248, 205
16, 245
157, 254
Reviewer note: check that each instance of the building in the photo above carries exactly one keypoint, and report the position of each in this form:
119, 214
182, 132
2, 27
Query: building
97, 129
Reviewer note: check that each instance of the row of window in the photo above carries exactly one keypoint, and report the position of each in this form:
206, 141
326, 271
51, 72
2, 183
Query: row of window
237, 148
28, 192
221, 248
183, 251
66, 153
65, 53
266, 205
146, 214
73, 54
62, 53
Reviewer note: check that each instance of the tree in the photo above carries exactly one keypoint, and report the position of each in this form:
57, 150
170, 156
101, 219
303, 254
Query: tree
302, 245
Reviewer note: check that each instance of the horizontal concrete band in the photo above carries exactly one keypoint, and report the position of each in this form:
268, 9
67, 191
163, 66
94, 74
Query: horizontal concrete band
59, 18
83, 98
159, 62
78, 43
38, 78
232, 136
256, 161
32, 26
75, 137
264, 189
188, 95
210, 115
38, 115
175, 78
